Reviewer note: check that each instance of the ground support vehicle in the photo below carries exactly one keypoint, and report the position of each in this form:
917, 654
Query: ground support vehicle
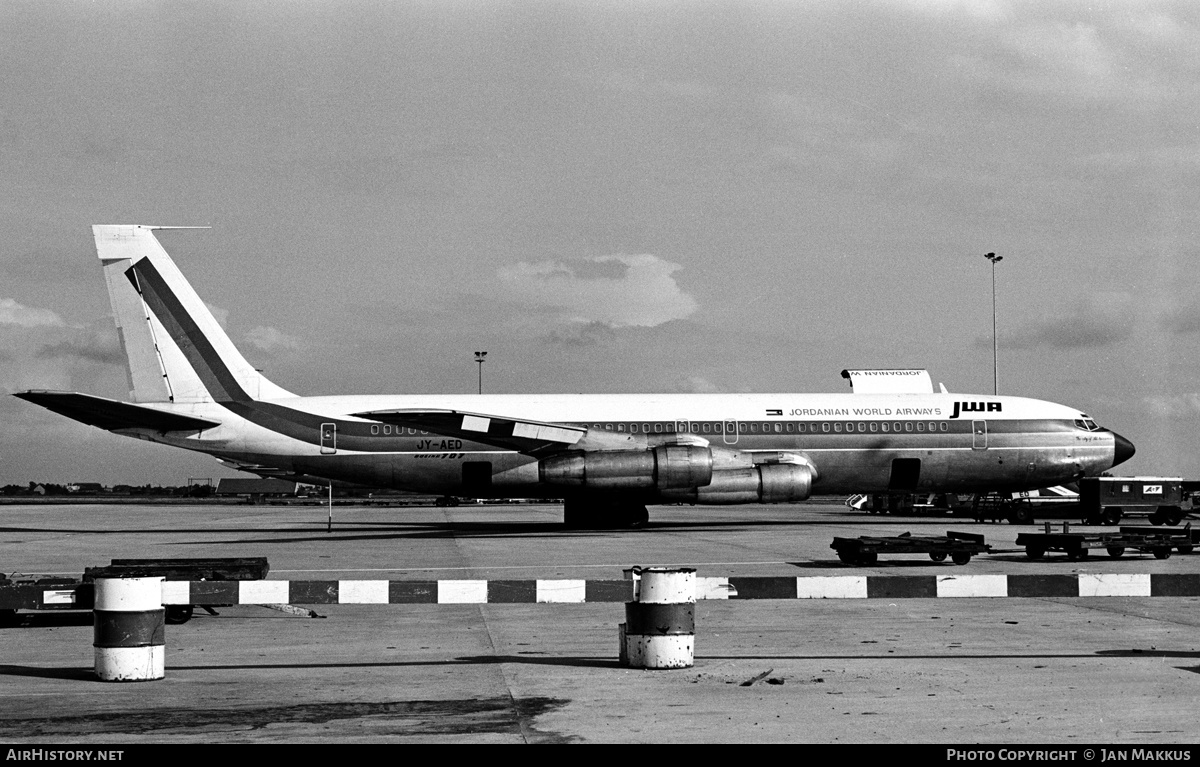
1078, 545
43, 593
1167, 500
865, 550
1023, 508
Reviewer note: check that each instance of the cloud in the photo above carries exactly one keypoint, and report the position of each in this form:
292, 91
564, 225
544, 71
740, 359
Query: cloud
1182, 321
1101, 322
219, 314
53, 355
1173, 405
271, 340
13, 313
581, 334
85, 345
618, 291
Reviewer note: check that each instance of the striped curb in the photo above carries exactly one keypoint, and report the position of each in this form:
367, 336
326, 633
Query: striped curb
366, 592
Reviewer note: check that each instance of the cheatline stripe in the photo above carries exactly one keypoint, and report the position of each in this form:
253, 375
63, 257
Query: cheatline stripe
466, 591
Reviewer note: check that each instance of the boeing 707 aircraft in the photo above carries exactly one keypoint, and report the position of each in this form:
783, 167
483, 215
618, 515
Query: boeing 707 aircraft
607, 455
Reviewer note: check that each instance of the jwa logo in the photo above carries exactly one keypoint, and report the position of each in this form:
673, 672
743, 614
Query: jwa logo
976, 407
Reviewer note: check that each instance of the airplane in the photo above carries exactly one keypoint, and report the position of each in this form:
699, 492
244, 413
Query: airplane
607, 456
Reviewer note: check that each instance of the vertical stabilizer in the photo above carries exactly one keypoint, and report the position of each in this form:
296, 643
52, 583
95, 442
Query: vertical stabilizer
176, 350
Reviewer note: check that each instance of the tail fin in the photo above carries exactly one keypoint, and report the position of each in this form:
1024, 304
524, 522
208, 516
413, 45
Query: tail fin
175, 349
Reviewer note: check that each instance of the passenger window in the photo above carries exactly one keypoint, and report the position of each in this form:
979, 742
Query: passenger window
658, 428
837, 427
908, 425
825, 427
862, 426
875, 426
387, 429
374, 428
706, 427
920, 426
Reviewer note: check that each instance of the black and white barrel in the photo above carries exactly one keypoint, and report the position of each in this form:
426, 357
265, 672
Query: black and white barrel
129, 629
660, 625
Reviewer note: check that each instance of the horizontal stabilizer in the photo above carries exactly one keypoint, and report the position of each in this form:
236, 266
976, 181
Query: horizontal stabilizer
112, 415
523, 436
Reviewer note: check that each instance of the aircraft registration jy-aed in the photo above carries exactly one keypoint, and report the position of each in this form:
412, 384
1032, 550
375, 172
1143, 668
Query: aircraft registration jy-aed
607, 456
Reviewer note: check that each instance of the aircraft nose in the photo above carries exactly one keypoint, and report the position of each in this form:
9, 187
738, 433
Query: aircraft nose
1123, 449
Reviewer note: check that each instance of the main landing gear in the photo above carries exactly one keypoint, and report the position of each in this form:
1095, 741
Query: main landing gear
592, 514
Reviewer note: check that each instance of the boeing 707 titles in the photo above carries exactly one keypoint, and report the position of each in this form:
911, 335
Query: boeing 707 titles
607, 455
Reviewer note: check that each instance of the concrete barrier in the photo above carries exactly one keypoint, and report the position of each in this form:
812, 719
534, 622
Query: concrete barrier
129, 638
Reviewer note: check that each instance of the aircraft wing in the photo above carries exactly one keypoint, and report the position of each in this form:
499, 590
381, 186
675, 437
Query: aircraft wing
519, 434
111, 414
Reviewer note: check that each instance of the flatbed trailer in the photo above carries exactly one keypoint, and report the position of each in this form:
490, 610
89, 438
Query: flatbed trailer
1186, 533
1079, 545
58, 593
865, 550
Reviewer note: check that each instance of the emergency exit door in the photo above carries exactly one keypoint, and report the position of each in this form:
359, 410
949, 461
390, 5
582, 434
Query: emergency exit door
328, 438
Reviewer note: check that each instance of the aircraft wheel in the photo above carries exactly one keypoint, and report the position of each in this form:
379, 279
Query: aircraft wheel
1021, 515
937, 556
1116, 551
960, 557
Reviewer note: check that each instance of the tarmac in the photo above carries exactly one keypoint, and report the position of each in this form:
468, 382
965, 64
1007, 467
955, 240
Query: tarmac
1069, 672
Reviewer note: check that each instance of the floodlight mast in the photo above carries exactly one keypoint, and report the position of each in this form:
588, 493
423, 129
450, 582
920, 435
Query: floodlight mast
995, 344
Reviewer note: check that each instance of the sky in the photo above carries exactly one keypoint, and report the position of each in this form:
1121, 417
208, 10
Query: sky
610, 197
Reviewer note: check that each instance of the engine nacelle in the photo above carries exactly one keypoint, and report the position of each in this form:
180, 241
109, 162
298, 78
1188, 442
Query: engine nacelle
764, 483
663, 468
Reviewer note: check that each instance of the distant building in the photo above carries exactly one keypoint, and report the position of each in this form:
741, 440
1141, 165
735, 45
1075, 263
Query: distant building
85, 488
256, 489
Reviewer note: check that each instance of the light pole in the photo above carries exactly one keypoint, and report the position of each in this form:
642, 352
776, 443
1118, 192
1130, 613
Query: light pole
479, 358
995, 344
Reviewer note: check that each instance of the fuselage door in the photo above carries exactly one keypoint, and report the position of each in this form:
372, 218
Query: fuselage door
731, 432
328, 438
979, 435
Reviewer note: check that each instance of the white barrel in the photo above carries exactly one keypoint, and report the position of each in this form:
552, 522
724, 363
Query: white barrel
129, 638
660, 626
667, 585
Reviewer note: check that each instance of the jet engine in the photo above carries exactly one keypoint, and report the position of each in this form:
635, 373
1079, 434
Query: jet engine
763, 483
662, 468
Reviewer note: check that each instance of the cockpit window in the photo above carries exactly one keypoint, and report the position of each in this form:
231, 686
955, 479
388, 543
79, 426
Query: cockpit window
1085, 423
